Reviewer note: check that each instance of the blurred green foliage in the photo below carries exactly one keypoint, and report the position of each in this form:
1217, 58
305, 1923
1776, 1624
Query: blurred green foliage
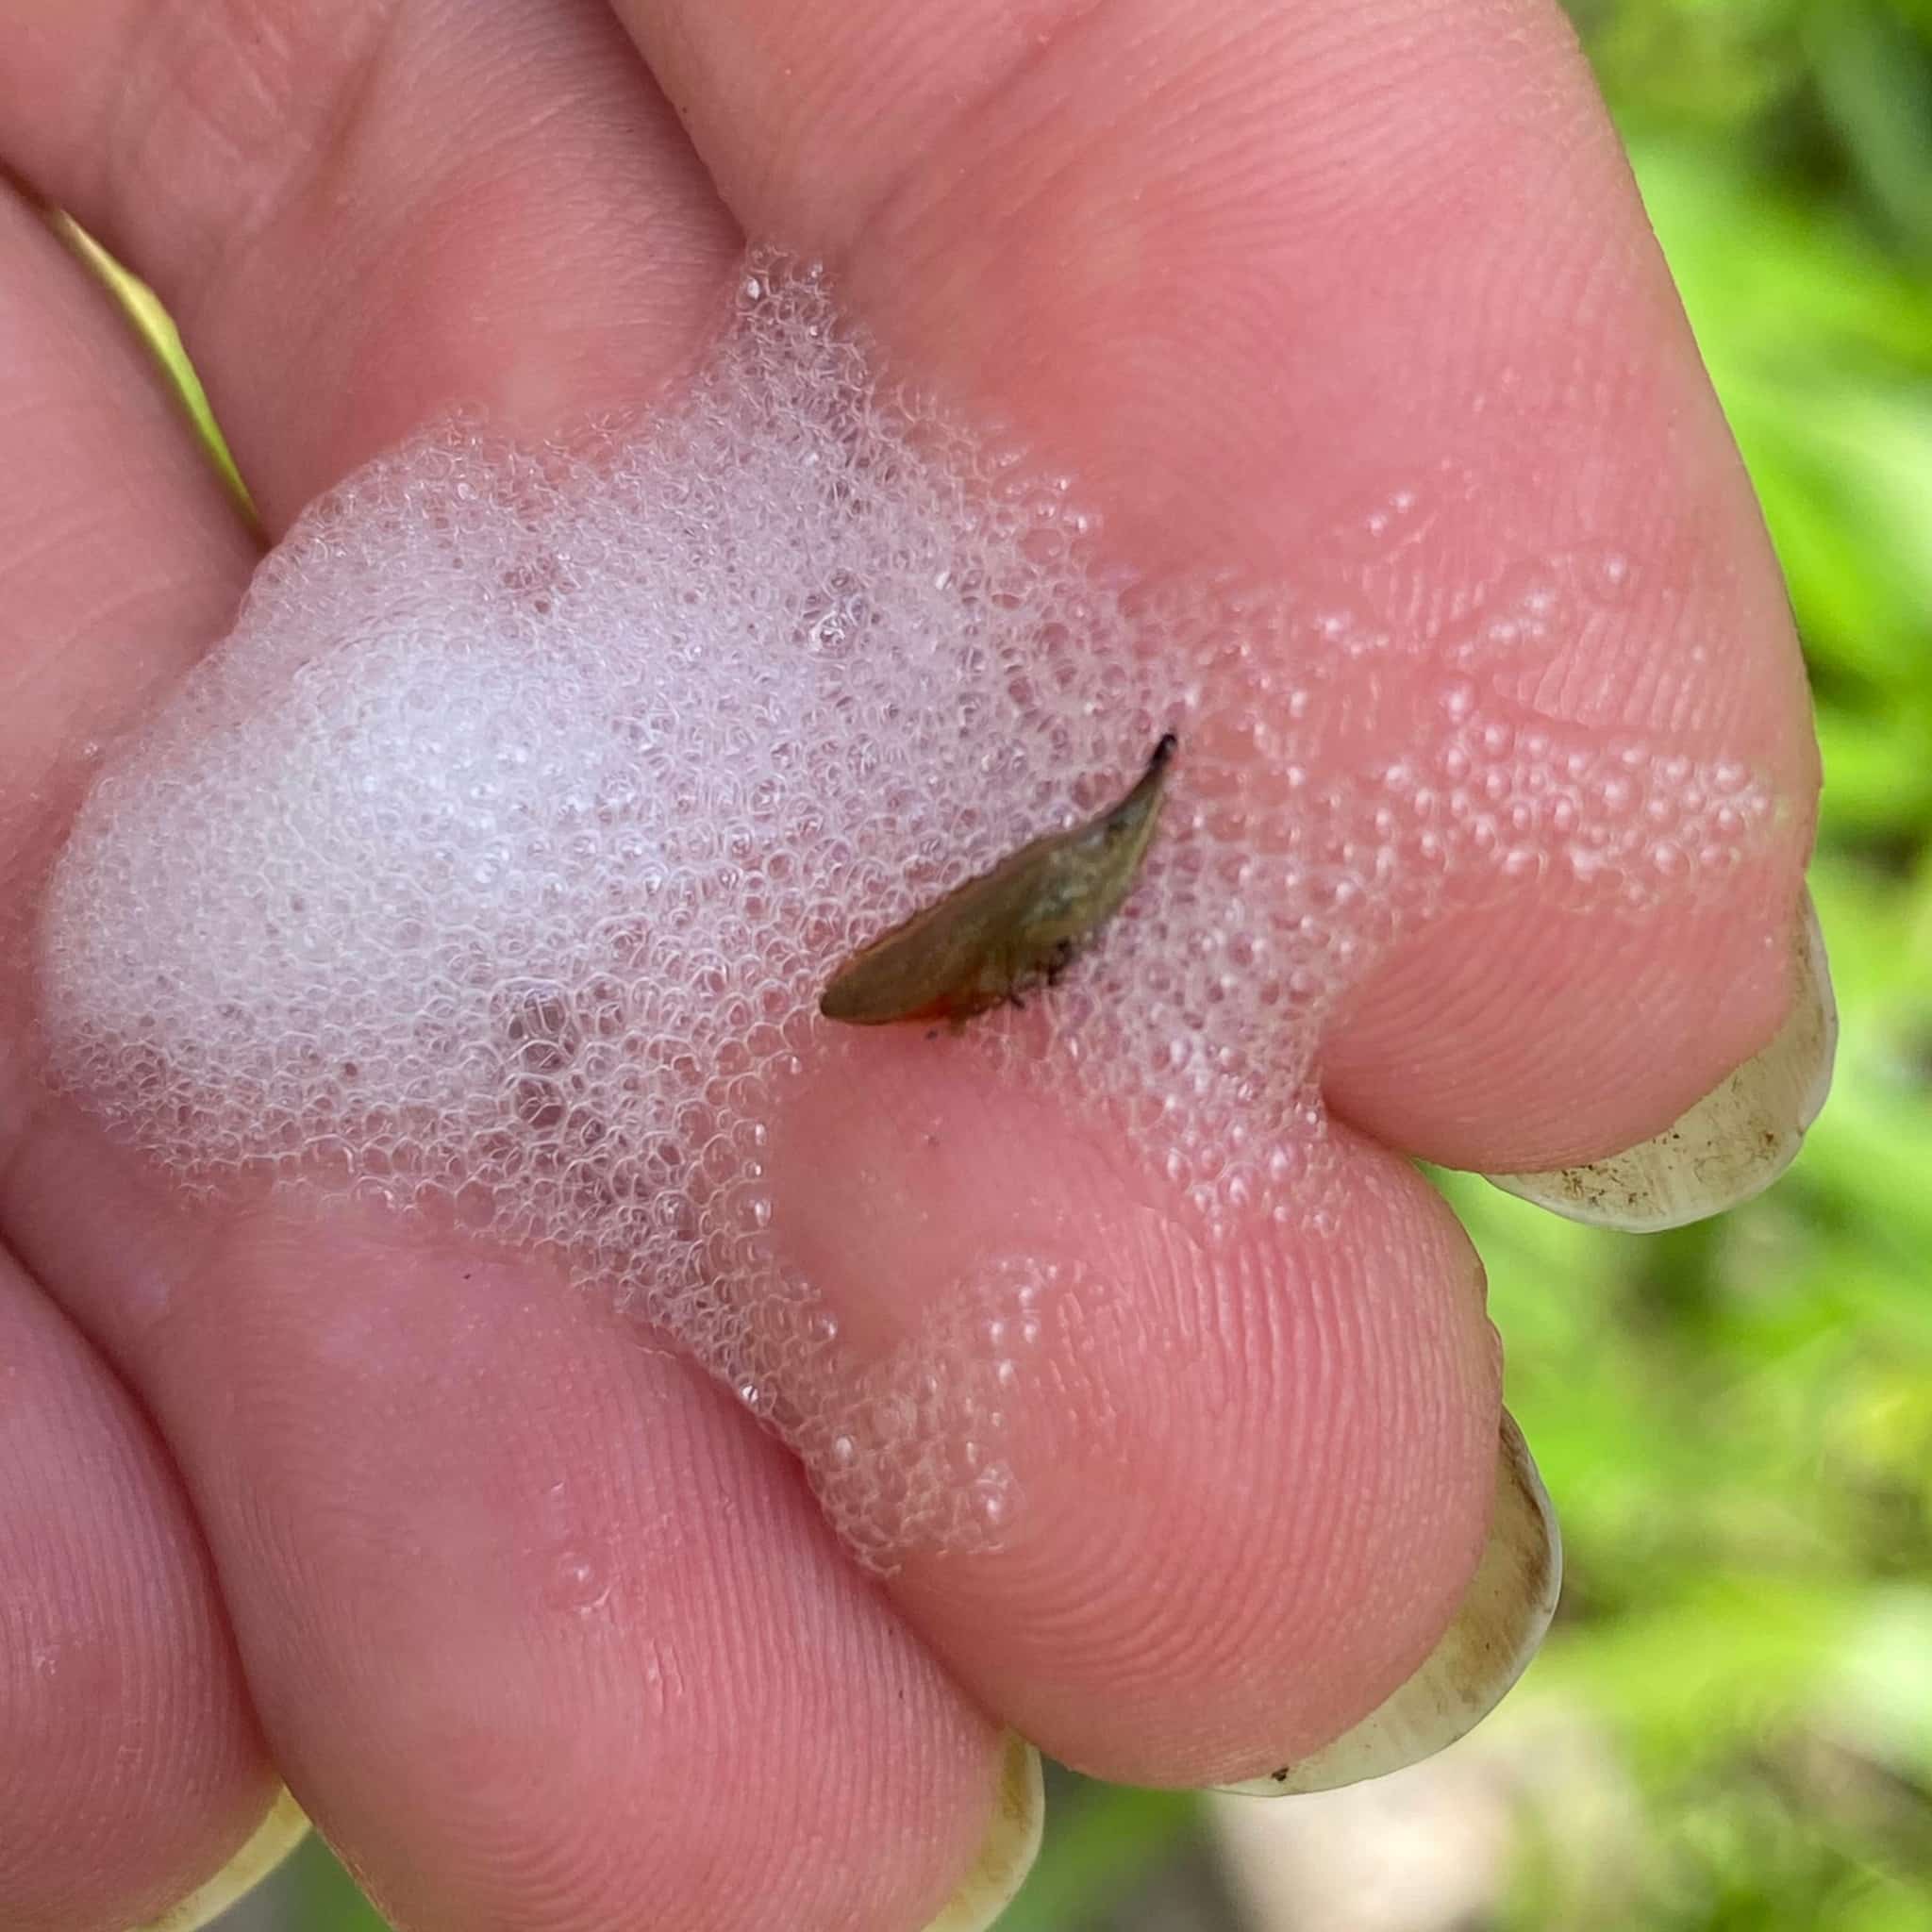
1736, 1418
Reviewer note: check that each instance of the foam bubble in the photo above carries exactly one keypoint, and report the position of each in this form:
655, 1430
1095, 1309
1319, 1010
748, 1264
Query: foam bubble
496, 860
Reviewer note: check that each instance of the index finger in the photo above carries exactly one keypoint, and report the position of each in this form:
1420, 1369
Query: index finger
1361, 304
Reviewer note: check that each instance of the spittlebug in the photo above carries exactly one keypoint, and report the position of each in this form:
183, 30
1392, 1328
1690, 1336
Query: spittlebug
990, 939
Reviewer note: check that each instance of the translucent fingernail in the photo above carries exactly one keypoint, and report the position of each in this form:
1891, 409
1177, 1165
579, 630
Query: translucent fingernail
1733, 1143
1007, 1851
1497, 1628
273, 1839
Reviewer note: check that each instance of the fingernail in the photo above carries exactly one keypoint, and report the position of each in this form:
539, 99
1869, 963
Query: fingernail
273, 1839
1733, 1143
1497, 1628
1010, 1845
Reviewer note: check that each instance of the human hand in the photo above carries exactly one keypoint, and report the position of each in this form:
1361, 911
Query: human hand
534, 1619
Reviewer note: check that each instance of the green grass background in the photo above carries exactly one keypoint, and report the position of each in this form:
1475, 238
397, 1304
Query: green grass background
1735, 1420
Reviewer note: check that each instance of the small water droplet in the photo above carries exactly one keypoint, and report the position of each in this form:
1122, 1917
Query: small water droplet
577, 1582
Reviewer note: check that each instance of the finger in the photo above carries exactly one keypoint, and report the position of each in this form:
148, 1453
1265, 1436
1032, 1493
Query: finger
536, 1623
120, 553
934, 1780
133, 1765
418, 207
1365, 307
1234, 1487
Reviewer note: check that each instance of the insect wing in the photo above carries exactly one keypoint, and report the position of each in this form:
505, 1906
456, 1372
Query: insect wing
936, 964
1017, 921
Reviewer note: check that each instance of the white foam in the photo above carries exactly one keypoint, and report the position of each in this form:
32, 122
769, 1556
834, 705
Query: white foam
498, 855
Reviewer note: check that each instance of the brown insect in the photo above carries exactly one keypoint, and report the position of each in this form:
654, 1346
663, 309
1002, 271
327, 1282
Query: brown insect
1008, 929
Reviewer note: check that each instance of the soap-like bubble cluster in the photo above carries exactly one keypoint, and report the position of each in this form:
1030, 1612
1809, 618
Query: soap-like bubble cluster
497, 858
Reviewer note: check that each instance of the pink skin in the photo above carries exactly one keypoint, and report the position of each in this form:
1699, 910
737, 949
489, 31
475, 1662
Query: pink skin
533, 1620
